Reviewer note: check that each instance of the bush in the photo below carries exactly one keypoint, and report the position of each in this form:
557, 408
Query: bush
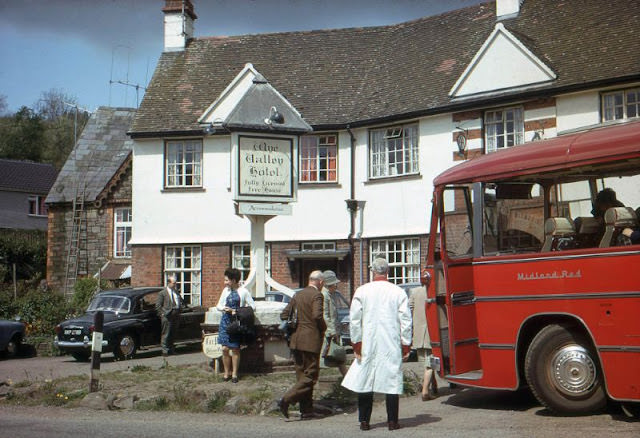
83, 291
28, 250
42, 311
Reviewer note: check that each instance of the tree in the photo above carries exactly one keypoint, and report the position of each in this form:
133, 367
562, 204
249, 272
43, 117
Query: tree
22, 136
3, 105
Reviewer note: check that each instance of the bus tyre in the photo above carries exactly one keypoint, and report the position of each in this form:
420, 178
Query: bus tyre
563, 371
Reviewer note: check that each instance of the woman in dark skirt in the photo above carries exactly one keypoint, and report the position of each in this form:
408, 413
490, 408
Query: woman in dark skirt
233, 296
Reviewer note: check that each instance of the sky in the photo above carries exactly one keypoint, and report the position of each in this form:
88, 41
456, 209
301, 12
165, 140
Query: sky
88, 49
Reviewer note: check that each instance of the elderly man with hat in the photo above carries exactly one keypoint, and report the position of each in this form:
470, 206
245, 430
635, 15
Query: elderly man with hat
331, 318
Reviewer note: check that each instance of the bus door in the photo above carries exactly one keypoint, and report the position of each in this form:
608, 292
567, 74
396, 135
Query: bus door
454, 281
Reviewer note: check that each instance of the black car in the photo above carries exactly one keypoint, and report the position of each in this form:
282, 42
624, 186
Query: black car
130, 323
11, 337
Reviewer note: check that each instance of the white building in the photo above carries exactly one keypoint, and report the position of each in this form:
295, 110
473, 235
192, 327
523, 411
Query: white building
390, 108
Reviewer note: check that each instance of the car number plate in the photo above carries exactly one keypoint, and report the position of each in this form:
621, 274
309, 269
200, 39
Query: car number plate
73, 332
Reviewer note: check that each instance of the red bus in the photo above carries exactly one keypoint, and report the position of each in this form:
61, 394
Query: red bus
528, 287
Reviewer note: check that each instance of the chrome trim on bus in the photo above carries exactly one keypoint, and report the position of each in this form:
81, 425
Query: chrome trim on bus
552, 256
497, 346
462, 298
581, 296
465, 341
619, 348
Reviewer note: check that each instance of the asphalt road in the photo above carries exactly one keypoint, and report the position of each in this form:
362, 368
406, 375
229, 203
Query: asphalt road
457, 413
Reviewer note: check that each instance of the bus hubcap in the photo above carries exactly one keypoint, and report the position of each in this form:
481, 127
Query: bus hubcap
573, 370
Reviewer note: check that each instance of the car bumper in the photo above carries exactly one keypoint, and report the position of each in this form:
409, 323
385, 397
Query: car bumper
83, 345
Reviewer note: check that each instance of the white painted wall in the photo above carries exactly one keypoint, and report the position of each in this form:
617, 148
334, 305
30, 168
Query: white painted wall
577, 110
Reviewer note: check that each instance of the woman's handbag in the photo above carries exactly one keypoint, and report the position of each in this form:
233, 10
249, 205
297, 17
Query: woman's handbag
289, 325
334, 353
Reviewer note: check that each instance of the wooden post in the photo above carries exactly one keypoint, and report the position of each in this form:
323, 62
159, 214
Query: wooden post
96, 351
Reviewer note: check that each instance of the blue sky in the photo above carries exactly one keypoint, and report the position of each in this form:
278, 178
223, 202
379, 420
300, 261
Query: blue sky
84, 47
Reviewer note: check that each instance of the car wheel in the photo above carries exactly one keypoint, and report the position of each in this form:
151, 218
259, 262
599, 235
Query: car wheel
563, 371
13, 347
81, 356
125, 347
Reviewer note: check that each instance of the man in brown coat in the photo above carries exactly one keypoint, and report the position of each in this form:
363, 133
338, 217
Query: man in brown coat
305, 344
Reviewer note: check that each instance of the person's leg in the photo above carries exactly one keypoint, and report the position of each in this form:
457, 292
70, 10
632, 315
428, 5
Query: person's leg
235, 360
164, 336
226, 362
393, 407
365, 406
426, 381
311, 371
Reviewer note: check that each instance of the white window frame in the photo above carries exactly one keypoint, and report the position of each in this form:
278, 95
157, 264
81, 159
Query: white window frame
394, 151
183, 163
621, 104
315, 167
318, 246
37, 206
241, 259
122, 226
403, 256
503, 127
186, 263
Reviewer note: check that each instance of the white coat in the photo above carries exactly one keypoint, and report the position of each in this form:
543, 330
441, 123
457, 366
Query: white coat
381, 320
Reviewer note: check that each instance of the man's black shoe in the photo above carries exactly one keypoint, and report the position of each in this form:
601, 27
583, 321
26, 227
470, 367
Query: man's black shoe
394, 425
284, 407
364, 425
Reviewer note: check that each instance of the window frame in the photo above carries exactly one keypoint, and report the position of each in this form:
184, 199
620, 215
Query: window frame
318, 246
623, 106
236, 259
180, 161
315, 168
36, 206
122, 225
410, 254
188, 279
491, 138
407, 149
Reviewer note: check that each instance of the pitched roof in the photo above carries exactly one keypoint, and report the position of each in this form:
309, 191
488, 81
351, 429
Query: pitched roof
26, 176
363, 75
102, 149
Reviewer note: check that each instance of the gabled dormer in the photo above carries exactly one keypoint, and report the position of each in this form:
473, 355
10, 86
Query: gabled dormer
502, 63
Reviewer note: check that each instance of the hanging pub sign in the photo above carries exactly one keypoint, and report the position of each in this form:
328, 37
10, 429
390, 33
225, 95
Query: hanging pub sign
265, 169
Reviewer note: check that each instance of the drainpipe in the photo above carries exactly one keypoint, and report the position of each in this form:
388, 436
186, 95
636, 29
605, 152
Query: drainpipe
351, 206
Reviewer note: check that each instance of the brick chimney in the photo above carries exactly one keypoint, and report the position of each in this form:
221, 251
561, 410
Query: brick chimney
178, 24
507, 8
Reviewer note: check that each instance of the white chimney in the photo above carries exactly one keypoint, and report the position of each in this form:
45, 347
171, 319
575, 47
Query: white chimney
507, 8
178, 24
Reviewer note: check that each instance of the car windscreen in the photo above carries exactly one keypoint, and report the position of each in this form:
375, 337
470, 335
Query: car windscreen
110, 303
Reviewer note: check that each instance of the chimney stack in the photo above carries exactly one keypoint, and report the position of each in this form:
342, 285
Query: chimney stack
178, 24
507, 8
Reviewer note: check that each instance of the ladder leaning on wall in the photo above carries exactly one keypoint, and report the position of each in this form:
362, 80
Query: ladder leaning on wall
76, 238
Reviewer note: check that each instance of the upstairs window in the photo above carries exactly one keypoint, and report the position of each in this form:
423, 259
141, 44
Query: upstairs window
37, 207
393, 151
183, 163
621, 105
503, 128
318, 158
122, 232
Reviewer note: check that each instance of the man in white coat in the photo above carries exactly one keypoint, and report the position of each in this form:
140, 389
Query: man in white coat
381, 336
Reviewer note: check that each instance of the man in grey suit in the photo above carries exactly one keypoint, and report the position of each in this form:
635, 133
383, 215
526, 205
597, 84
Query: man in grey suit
305, 344
168, 309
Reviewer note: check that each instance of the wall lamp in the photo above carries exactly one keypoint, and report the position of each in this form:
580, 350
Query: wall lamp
274, 117
461, 141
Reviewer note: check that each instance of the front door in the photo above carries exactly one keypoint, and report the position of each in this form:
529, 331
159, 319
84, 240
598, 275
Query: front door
310, 265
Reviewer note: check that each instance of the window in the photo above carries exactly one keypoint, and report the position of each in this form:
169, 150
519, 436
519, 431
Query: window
318, 246
185, 262
403, 256
122, 232
37, 206
318, 158
242, 259
621, 105
393, 151
504, 128
183, 161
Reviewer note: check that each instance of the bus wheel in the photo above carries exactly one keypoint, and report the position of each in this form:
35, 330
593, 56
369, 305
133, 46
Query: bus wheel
563, 372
